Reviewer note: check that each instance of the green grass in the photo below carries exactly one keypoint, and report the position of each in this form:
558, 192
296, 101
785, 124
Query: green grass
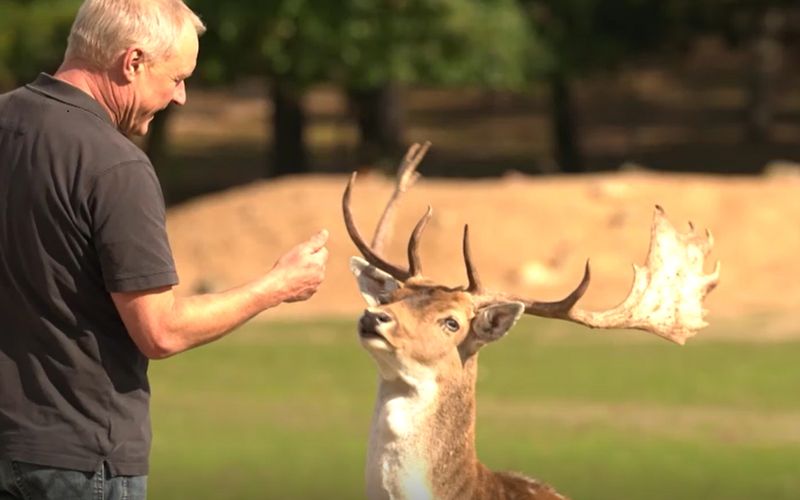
282, 411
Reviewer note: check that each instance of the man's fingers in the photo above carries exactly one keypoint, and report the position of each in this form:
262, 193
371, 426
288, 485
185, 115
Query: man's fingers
316, 242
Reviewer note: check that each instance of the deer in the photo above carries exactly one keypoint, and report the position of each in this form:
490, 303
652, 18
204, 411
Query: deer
425, 338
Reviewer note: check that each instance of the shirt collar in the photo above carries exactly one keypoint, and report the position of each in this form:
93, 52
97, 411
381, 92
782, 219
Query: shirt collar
64, 92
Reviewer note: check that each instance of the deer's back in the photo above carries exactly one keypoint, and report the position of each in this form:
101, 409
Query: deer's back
513, 486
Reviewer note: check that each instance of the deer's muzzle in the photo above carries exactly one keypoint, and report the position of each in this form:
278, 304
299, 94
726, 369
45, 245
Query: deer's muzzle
372, 322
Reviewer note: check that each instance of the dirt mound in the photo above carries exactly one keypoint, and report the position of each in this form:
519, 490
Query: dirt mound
529, 235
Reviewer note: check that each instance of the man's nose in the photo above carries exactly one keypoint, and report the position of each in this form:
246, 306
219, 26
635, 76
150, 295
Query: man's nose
179, 96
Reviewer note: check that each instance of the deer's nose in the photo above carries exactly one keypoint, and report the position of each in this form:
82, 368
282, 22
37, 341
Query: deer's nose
372, 319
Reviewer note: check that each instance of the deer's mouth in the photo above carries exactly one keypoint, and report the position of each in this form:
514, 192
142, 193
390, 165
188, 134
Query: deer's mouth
369, 334
374, 341
368, 330
373, 327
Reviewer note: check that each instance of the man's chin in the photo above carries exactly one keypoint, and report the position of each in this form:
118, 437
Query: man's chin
140, 128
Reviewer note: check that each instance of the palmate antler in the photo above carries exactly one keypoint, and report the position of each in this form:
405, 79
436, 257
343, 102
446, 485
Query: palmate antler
666, 297
667, 294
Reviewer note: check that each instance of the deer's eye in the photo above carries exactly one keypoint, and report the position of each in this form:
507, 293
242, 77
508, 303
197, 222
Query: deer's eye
451, 325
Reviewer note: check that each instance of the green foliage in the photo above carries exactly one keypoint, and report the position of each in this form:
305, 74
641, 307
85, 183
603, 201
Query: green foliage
33, 37
289, 39
483, 43
585, 36
363, 43
589, 35
737, 21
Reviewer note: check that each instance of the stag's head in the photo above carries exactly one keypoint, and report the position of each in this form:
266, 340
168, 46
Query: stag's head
414, 324
417, 325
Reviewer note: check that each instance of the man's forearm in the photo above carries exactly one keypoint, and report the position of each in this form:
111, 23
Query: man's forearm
163, 324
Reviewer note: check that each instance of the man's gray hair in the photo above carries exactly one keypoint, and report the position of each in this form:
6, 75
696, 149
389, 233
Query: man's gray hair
105, 29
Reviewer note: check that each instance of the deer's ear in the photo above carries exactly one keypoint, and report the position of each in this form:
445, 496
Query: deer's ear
376, 286
493, 321
489, 324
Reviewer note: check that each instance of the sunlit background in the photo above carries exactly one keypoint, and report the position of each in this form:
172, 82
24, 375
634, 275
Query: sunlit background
556, 126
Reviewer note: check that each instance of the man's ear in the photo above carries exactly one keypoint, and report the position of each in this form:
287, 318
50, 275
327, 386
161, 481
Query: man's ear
376, 286
491, 323
132, 63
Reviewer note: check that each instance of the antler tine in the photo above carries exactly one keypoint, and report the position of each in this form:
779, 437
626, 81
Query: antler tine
560, 309
414, 265
371, 256
406, 177
406, 174
472, 273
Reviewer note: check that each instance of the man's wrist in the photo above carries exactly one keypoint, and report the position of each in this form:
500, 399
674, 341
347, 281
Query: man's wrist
271, 291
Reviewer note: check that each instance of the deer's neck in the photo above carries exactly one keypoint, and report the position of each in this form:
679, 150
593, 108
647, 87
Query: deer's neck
422, 441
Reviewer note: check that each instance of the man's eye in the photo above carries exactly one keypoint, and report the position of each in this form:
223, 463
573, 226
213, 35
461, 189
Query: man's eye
451, 324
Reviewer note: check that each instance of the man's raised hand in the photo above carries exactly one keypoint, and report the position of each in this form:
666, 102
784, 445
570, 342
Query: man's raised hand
302, 268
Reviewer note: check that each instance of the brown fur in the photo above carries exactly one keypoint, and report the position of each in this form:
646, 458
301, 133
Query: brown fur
414, 327
457, 472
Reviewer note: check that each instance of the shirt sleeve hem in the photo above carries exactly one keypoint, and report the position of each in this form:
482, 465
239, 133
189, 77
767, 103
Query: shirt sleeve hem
140, 283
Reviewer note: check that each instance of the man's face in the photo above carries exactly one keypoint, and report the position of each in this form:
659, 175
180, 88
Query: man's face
161, 83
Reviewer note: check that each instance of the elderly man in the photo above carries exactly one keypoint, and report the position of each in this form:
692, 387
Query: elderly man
86, 271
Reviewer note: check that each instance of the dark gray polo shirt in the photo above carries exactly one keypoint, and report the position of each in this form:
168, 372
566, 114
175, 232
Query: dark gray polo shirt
81, 215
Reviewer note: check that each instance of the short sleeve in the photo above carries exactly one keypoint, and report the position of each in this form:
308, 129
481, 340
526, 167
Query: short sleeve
129, 229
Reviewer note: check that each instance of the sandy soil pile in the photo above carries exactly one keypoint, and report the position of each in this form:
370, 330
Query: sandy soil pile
529, 235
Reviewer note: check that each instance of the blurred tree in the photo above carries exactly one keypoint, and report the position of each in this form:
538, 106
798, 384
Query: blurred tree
388, 45
762, 28
156, 144
288, 42
766, 54
372, 49
369, 48
33, 37
583, 37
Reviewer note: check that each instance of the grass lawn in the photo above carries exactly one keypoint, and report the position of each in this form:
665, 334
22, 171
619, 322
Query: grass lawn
282, 411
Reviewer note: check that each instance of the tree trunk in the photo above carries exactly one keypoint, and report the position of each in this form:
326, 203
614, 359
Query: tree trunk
379, 115
767, 54
157, 145
288, 124
567, 149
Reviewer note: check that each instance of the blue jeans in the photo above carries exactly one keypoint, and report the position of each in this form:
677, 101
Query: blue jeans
23, 481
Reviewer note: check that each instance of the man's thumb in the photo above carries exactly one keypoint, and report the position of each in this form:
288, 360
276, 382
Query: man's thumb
318, 240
